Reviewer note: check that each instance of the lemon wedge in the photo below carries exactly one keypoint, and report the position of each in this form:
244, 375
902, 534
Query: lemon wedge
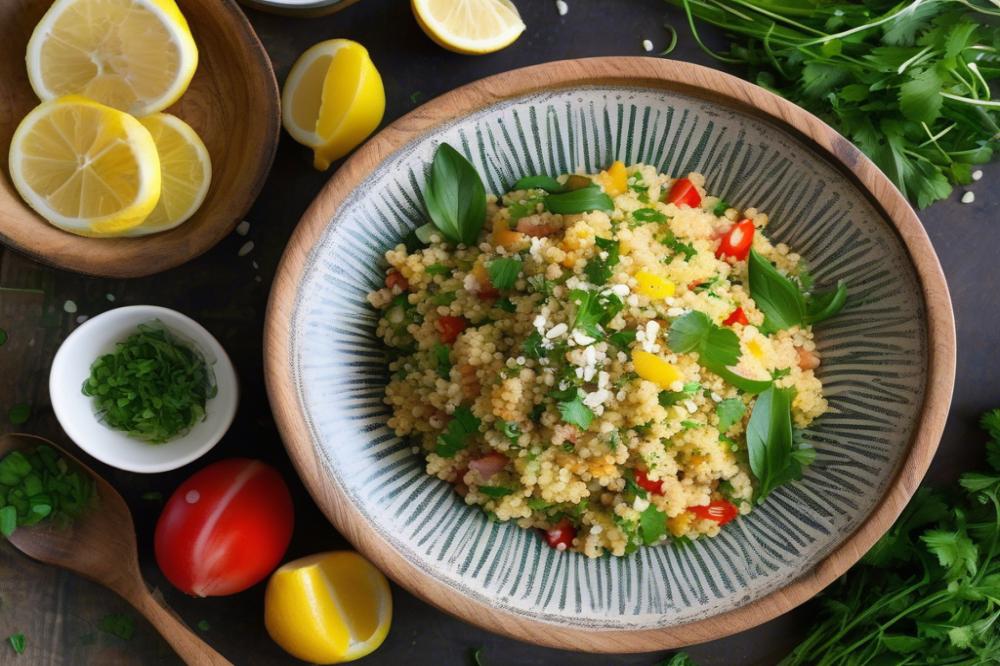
185, 172
328, 608
333, 99
135, 55
469, 26
85, 167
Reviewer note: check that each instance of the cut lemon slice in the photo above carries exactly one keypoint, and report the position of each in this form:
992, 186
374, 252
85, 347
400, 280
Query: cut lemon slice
185, 171
333, 99
85, 167
135, 55
469, 26
328, 608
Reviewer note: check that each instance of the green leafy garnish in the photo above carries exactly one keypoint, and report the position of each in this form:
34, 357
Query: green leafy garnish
17, 642
720, 208
3, 337
677, 247
19, 414
455, 196
463, 425
495, 491
525, 207
437, 269
717, 348
152, 387
574, 412
730, 411
907, 82
599, 270
203, 625
503, 272
770, 445
547, 183
652, 525
510, 430
583, 200
593, 311
533, 346
622, 339
118, 624
679, 659
783, 302
442, 360
38, 484
647, 215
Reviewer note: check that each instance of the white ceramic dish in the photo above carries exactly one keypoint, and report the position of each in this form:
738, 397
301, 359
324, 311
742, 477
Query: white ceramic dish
75, 411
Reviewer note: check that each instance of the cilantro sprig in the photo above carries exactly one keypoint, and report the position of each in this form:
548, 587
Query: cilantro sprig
907, 82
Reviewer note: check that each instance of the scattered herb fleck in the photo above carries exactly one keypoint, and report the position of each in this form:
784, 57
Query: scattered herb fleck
118, 624
19, 414
17, 642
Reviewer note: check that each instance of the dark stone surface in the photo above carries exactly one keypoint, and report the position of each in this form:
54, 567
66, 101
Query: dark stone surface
59, 612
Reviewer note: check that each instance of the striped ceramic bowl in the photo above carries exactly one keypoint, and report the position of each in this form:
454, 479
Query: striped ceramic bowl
888, 359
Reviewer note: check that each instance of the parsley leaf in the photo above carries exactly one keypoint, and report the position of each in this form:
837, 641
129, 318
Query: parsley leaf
503, 272
442, 360
495, 491
647, 215
118, 624
533, 346
652, 525
717, 347
576, 413
599, 270
17, 642
954, 550
622, 339
730, 411
463, 425
510, 430
677, 247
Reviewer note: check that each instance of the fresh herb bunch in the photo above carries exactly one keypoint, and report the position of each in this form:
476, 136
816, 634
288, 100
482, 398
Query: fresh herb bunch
929, 591
152, 386
907, 82
39, 484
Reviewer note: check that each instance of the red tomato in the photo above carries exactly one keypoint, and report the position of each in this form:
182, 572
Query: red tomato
396, 279
561, 534
225, 528
449, 327
720, 511
684, 192
737, 316
737, 241
644, 482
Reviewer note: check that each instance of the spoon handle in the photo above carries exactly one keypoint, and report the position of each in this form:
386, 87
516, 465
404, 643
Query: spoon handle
190, 648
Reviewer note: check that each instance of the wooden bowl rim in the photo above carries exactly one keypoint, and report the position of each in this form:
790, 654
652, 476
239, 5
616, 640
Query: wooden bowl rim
143, 256
675, 76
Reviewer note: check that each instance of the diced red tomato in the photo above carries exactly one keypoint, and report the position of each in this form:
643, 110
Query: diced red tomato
683, 192
647, 484
560, 536
737, 241
449, 327
720, 511
396, 279
737, 316
489, 464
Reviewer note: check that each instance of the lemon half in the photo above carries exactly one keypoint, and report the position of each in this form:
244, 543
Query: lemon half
469, 26
328, 608
333, 99
185, 171
85, 167
135, 55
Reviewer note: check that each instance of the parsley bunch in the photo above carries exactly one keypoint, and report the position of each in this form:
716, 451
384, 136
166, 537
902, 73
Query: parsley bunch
907, 82
152, 386
929, 591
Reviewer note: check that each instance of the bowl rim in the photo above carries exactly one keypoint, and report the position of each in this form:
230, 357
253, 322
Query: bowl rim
129, 257
655, 73
201, 337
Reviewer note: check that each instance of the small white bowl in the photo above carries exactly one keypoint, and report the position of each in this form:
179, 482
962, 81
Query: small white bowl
76, 413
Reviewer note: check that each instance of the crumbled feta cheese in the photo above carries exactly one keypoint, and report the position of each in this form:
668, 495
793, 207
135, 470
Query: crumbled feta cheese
676, 312
640, 504
977, 174
622, 357
603, 379
562, 7
603, 255
582, 339
968, 197
633, 301
537, 245
556, 331
716, 397
620, 290
540, 322
647, 45
597, 398
596, 529
470, 283
691, 407
677, 386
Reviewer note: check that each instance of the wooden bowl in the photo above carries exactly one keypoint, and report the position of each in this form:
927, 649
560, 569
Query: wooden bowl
233, 105
888, 358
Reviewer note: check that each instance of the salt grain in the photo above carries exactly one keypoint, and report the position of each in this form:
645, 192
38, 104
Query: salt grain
562, 7
647, 45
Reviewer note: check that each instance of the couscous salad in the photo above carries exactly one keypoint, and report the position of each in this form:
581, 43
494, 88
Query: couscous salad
616, 359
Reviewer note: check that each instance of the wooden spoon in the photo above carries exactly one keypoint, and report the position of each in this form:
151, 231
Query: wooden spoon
101, 546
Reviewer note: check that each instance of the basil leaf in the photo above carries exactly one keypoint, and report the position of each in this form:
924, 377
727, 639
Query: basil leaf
503, 272
455, 196
769, 440
579, 201
547, 183
652, 525
820, 307
495, 491
575, 412
751, 386
778, 298
463, 425
730, 411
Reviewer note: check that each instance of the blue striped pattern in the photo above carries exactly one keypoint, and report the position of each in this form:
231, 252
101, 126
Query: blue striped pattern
874, 355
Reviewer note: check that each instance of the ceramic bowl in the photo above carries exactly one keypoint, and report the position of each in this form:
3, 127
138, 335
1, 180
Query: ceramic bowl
299, 7
888, 358
232, 103
76, 413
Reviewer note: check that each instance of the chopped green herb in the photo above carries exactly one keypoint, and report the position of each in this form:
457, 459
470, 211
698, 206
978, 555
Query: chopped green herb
593, 310
152, 496
477, 657
495, 491
118, 624
443, 298
3, 337
679, 658
600, 269
455, 196
442, 360
720, 208
622, 339
547, 183
677, 247
203, 625
437, 269
510, 430
152, 387
38, 484
17, 642
503, 272
463, 425
730, 411
506, 305
691, 425
19, 414
525, 207
576, 413
540, 285
537, 504
652, 525
647, 215
718, 348
533, 346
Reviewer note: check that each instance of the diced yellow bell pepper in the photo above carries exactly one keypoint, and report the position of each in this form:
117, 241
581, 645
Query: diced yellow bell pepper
654, 286
755, 349
680, 523
654, 369
615, 179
